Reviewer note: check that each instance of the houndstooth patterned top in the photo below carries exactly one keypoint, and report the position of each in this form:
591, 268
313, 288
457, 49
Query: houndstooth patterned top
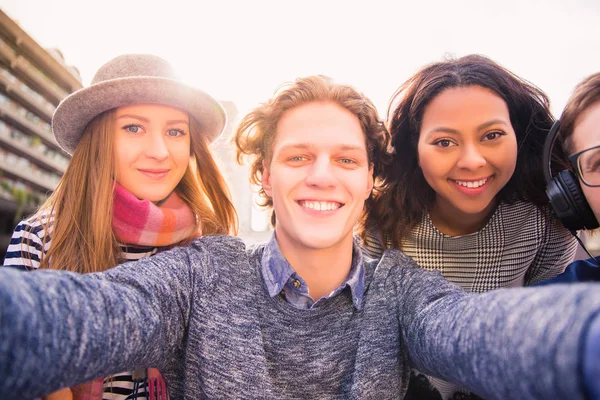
520, 245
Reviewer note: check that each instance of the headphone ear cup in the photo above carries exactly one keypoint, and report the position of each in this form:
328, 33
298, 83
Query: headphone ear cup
569, 204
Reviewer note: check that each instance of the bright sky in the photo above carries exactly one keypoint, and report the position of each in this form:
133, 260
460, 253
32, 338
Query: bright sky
242, 50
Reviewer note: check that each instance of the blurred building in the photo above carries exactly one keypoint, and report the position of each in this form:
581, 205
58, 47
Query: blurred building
33, 80
254, 221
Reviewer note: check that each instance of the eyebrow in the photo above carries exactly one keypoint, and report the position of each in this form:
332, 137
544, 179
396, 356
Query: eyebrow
146, 120
479, 127
344, 147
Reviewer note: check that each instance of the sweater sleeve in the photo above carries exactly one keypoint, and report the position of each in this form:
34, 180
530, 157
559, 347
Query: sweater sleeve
503, 344
554, 254
58, 328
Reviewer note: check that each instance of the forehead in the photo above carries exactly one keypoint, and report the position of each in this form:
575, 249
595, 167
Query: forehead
151, 110
475, 102
319, 125
586, 132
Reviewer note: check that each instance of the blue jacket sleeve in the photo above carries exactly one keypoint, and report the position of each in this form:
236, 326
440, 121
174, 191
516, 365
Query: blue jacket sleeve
578, 271
58, 329
504, 344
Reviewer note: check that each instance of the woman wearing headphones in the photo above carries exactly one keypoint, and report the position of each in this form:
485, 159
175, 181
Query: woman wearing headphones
465, 191
141, 180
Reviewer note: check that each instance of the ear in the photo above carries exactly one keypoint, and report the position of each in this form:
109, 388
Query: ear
266, 180
370, 182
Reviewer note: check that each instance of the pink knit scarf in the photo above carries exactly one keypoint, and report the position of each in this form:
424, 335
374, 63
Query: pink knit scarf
143, 223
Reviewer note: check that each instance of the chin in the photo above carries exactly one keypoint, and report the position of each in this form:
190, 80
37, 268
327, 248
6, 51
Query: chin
324, 241
153, 197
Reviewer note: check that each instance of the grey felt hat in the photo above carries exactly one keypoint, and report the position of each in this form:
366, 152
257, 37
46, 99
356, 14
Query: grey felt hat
133, 79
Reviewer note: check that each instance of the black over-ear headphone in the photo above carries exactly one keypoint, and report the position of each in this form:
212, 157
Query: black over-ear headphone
564, 192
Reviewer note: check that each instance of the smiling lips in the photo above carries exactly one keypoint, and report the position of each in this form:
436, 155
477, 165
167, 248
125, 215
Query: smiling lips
154, 173
471, 184
320, 205
472, 187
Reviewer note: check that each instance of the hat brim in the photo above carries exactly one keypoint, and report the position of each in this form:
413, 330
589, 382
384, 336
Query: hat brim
77, 110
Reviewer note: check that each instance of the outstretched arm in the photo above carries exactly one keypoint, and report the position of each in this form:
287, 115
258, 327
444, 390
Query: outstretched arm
58, 329
530, 343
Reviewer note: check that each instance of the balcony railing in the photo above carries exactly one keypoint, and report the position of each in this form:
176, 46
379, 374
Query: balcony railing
29, 123
23, 169
30, 74
14, 87
29, 147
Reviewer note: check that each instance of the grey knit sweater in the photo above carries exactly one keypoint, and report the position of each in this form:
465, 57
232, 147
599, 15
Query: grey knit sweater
202, 316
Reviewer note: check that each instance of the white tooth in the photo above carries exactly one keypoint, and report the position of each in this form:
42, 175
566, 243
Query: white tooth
320, 205
472, 184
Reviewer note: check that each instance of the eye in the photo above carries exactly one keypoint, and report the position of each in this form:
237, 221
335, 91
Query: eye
443, 143
493, 135
347, 161
297, 159
132, 128
176, 132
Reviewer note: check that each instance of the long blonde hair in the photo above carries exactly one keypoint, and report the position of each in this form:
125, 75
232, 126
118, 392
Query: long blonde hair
78, 215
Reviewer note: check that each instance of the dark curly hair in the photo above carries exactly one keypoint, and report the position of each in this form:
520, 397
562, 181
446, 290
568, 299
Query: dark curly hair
256, 132
405, 194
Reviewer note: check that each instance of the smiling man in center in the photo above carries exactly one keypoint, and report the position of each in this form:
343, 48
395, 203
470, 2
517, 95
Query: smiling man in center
322, 176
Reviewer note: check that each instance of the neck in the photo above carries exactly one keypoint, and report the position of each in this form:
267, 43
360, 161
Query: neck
322, 269
452, 222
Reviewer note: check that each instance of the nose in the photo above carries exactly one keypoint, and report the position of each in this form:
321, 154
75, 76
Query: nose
471, 158
156, 147
321, 174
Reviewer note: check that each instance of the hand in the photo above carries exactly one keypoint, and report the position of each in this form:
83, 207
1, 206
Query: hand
62, 394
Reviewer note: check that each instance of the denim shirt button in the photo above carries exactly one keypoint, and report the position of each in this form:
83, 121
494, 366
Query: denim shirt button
297, 283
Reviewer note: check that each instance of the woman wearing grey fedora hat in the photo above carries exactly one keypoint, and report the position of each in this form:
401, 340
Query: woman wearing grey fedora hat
141, 179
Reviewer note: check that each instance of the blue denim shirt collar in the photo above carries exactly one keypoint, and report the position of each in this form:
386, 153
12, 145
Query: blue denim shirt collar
280, 276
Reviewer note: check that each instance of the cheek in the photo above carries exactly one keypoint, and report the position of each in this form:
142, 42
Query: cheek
359, 183
592, 196
507, 157
180, 152
281, 182
433, 165
125, 151
121, 163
